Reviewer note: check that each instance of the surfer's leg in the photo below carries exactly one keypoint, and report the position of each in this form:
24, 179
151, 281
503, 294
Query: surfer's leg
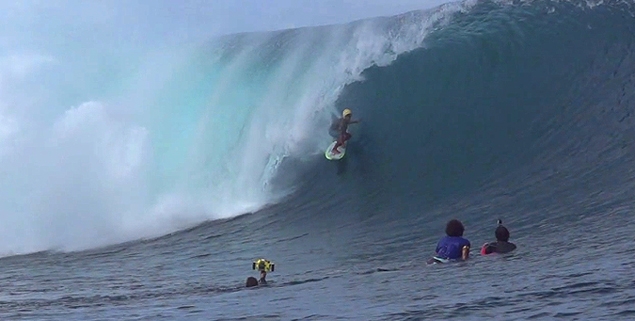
340, 141
334, 150
345, 138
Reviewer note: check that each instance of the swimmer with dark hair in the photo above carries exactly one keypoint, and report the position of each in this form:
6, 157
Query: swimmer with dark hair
263, 266
502, 244
453, 246
251, 281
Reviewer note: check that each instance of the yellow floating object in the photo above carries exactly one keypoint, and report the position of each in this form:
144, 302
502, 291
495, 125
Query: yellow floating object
263, 265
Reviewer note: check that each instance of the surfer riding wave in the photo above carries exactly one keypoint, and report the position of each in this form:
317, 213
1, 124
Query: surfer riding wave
339, 129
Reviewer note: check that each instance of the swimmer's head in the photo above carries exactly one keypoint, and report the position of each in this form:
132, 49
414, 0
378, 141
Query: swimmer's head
251, 281
502, 234
454, 228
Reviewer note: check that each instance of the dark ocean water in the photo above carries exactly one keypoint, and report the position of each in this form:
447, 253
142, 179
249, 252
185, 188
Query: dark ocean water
518, 111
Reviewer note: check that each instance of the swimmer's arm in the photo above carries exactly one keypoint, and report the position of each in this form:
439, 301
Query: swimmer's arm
465, 253
486, 249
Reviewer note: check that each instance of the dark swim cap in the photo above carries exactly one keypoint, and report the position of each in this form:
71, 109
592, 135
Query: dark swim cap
502, 234
251, 281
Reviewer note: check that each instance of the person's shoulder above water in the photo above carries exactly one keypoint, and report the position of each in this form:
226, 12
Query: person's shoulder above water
498, 247
453, 246
460, 240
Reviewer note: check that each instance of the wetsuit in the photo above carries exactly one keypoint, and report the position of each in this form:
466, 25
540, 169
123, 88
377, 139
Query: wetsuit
451, 247
498, 247
262, 281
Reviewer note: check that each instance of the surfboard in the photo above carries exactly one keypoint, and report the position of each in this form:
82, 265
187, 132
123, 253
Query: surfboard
436, 260
330, 156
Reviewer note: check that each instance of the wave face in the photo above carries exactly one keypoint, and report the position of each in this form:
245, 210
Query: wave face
468, 101
509, 109
101, 146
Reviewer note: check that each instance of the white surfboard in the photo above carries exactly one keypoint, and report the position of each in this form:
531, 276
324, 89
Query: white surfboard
329, 154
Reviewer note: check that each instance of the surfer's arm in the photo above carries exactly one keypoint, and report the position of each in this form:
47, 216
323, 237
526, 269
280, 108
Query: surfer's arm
488, 248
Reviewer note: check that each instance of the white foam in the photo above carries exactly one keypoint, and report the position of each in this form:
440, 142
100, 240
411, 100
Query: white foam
72, 183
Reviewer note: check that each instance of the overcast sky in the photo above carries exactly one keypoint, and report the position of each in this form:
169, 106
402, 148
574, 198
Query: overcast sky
38, 22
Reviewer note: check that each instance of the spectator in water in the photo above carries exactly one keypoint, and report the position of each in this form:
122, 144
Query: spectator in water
251, 281
502, 244
453, 246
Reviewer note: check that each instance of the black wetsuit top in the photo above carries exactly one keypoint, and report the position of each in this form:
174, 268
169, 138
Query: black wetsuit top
498, 247
262, 281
